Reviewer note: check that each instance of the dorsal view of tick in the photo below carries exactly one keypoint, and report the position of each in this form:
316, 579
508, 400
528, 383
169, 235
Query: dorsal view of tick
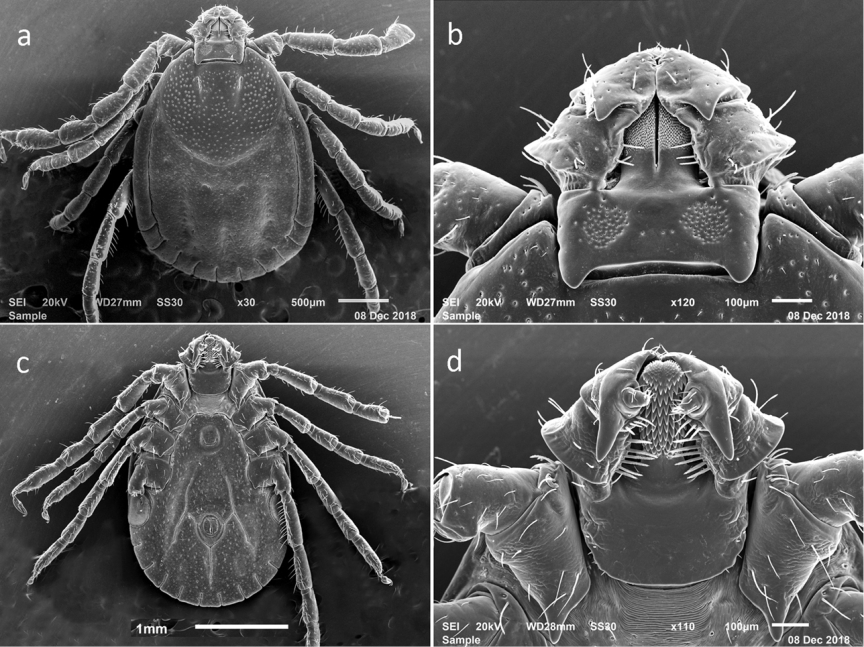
211, 509
224, 181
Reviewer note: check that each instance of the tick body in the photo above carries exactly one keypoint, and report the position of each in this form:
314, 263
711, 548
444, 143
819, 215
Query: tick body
224, 177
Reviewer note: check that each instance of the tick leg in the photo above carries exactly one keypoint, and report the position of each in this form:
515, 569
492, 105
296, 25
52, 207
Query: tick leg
798, 514
471, 207
485, 617
335, 398
101, 248
294, 535
347, 115
105, 109
828, 205
334, 507
331, 442
106, 478
530, 525
103, 452
349, 169
95, 434
84, 148
397, 35
153, 466
96, 179
353, 244
535, 208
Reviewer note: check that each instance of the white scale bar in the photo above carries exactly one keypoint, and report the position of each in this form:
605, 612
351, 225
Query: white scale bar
364, 300
218, 626
790, 624
791, 300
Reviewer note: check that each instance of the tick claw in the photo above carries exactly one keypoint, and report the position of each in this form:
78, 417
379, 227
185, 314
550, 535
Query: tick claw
19, 506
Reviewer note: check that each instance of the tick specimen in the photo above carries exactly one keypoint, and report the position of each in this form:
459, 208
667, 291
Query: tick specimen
224, 179
668, 517
659, 159
210, 504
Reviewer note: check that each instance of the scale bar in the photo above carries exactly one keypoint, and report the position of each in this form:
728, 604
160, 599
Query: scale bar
790, 624
791, 300
221, 626
364, 300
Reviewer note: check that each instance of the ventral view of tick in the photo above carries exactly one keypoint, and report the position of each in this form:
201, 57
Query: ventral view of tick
210, 505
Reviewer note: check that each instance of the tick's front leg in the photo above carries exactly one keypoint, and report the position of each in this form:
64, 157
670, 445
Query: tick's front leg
476, 213
397, 36
529, 524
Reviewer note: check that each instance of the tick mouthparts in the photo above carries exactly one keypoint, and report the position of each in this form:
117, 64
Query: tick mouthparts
219, 31
606, 396
710, 383
720, 428
611, 423
615, 408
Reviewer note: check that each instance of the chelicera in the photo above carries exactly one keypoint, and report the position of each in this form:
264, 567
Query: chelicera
210, 500
224, 178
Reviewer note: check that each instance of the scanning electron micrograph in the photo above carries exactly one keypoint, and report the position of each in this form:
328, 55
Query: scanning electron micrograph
256, 191
674, 192
668, 502
216, 486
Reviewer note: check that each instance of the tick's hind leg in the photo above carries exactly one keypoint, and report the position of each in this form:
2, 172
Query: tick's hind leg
350, 237
294, 536
267, 436
334, 507
349, 116
106, 478
95, 434
101, 247
349, 169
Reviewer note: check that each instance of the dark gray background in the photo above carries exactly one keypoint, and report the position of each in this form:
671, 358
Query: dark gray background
91, 592
530, 54
508, 372
79, 53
